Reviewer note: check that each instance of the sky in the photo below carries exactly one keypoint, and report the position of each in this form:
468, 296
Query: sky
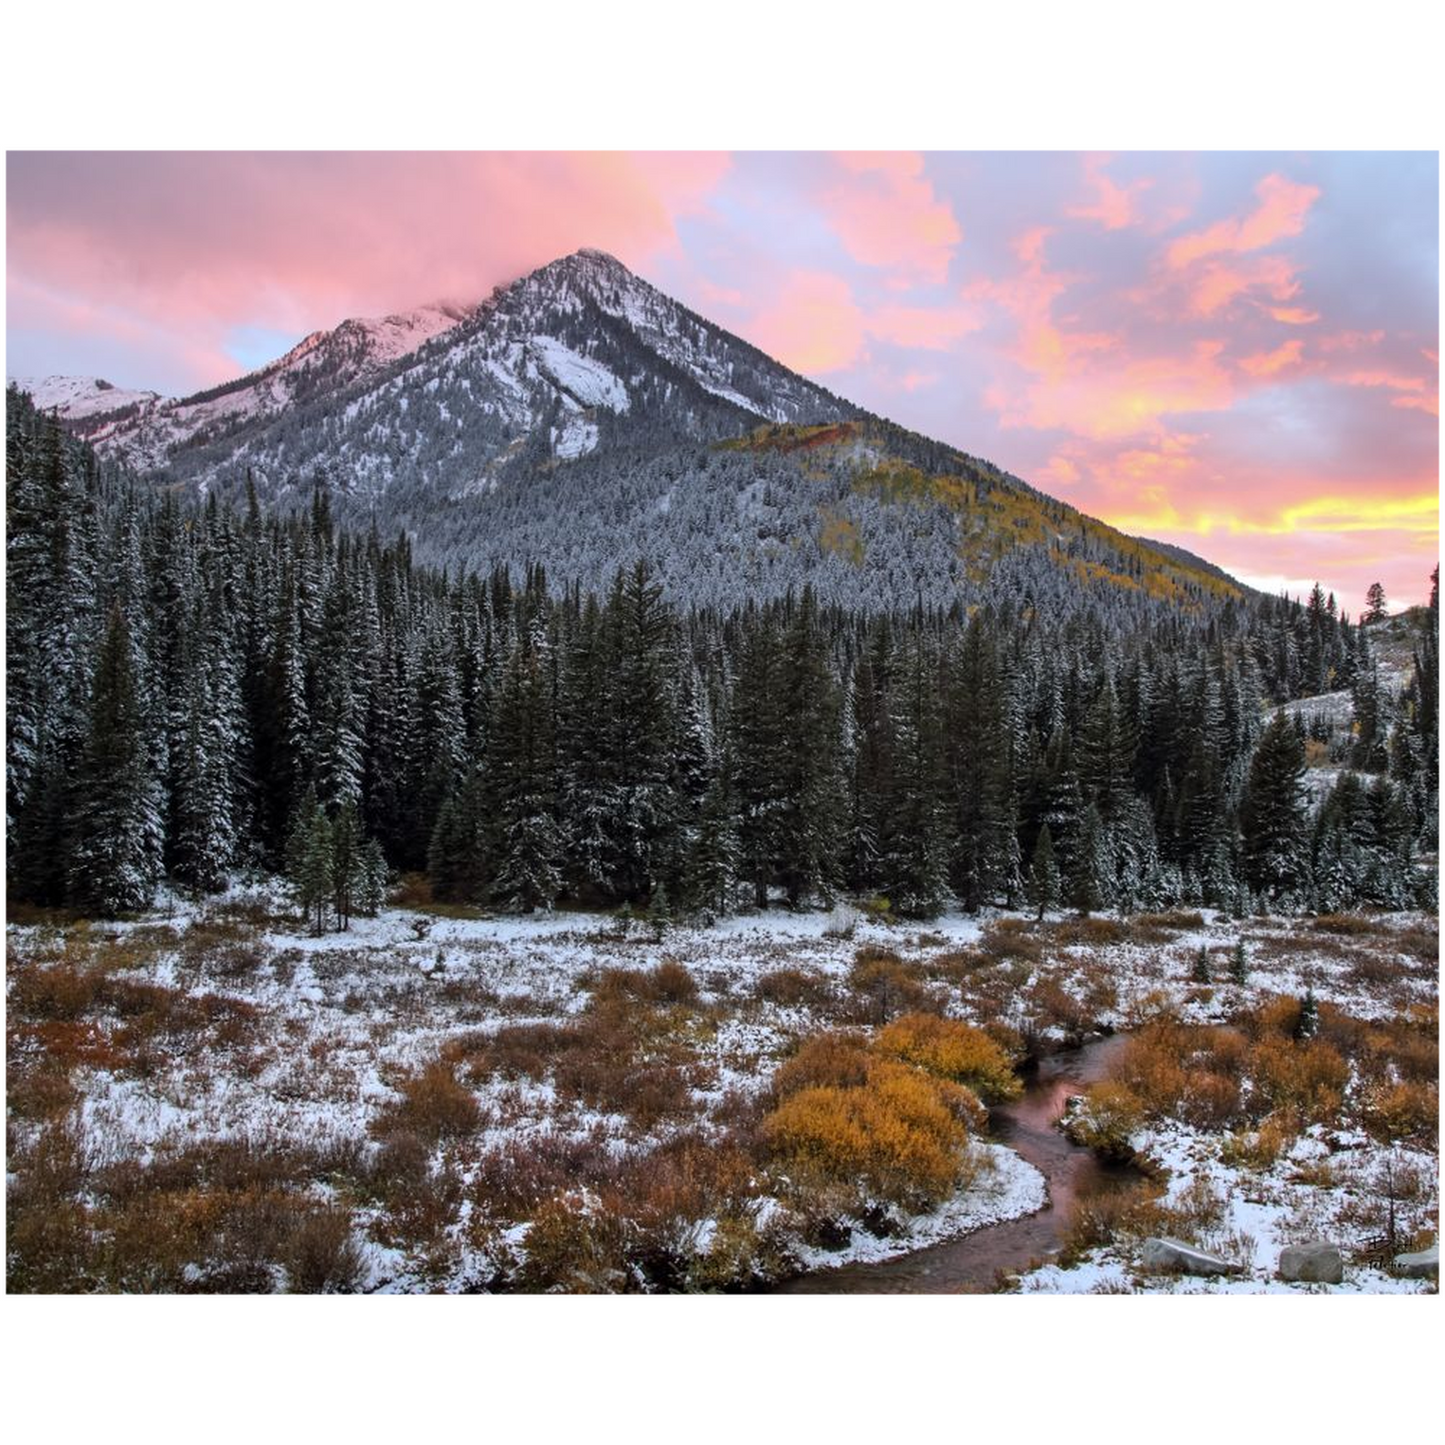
1235, 352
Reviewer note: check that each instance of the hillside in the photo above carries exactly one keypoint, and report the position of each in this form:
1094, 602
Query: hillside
580, 418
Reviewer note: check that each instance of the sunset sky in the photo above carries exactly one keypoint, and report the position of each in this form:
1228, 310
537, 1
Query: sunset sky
1234, 352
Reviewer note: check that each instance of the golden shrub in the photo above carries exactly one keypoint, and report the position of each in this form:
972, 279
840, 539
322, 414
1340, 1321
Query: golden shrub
1407, 1110
1260, 1148
1152, 1067
1211, 1100
899, 1134
883, 986
1111, 1114
952, 1050
1307, 1075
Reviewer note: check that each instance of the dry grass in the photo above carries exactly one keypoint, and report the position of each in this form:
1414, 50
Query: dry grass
794, 987
221, 1217
881, 986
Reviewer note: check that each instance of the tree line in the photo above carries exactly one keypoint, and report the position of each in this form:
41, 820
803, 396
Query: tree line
195, 689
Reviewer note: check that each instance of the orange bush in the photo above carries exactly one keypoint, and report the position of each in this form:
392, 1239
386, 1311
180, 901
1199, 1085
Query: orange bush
899, 1134
952, 1050
574, 1245
56, 991
1211, 1100
884, 986
1308, 1075
1404, 1111
1151, 1066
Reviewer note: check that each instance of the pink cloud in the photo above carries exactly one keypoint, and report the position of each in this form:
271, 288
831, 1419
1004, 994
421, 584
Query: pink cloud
814, 325
1270, 363
1350, 340
290, 241
1280, 213
1113, 206
887, 214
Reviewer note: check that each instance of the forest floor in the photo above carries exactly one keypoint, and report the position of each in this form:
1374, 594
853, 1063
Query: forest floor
206, 1098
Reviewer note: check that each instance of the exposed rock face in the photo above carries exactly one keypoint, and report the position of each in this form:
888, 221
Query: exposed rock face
1174, 1254
1317, 1262
1420, 1265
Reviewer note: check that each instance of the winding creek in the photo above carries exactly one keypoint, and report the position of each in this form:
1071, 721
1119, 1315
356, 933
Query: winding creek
973, 1262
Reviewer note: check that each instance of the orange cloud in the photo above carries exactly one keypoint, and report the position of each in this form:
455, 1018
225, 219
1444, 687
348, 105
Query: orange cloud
887, 214
1293, 315
815, 326
1215, 284
1269, 363
1123, 398
1428, 404
1281, 212
1113, 206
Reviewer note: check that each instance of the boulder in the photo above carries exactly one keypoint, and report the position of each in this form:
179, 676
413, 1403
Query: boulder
1317, 1262
1420, 1265
1175, 1255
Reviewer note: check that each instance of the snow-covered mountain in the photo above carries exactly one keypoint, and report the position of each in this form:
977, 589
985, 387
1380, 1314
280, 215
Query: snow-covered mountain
579, 354
150, 432
581, 418
80, 398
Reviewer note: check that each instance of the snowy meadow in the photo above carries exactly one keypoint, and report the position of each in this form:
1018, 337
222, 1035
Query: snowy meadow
206, 1097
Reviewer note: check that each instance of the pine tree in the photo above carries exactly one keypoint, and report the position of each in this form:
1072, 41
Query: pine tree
1239, 963
1200, 972
347, 869
1089, 877
309, 861
456, 858
712, 861
115, 858
1273, 815
808, 819
1376, 608
756, 753
520, 786
912, 866
371, 889
659, 910
1044, 883
1309, 1016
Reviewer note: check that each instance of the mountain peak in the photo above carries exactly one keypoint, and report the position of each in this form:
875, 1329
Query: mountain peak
594, 253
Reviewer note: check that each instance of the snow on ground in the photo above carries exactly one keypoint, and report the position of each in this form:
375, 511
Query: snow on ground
1006, 1187
80, 396
586, 378
343, 1016
1259, 1214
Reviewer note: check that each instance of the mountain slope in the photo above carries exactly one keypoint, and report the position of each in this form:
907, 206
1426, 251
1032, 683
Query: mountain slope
581, 418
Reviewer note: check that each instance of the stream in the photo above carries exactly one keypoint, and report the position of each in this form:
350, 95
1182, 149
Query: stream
972, 1263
